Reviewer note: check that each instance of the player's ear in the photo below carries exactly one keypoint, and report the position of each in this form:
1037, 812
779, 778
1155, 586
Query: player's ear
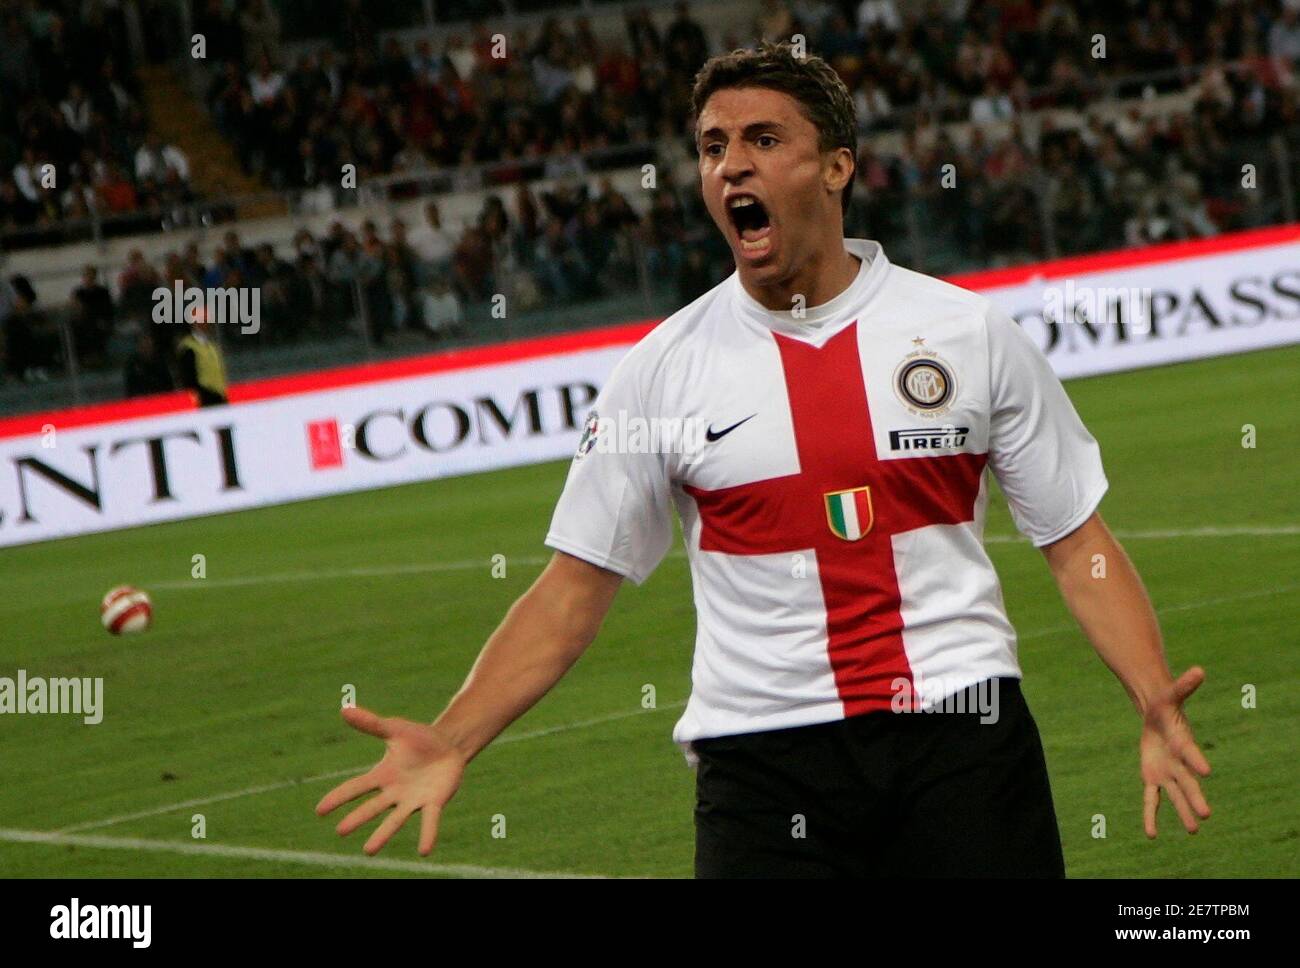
839, 169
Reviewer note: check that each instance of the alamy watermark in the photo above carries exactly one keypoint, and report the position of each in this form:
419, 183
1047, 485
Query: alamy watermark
77, 922
1128, 307
231, 306
28, 695
930, 694
631, 434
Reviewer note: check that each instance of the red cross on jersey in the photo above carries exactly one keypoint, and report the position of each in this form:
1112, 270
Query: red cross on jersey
828, 472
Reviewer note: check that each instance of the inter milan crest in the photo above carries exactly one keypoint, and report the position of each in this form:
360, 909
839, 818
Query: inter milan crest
589, 432
849, 513
925, 383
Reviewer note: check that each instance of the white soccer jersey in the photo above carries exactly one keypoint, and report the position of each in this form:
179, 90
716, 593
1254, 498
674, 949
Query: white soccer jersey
833, 510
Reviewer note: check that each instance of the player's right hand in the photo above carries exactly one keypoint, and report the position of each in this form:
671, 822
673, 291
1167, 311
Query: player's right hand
421, 771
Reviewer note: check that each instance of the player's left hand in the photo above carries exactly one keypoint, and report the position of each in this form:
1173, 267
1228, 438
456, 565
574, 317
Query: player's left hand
1170, 755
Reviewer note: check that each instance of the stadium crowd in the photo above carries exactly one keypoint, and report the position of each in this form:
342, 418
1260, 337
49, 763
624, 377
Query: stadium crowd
913, 68
386, 105
486, 97
557, 246
1132, 182
74, 137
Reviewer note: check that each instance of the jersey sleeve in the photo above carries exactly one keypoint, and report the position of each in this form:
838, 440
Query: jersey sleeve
615, 510
1048, 465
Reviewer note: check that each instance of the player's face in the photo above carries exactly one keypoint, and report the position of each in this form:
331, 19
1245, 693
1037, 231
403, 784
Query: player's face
769, 187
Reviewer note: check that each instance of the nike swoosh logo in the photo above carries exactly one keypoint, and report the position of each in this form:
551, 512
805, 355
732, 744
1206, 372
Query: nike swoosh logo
711, 435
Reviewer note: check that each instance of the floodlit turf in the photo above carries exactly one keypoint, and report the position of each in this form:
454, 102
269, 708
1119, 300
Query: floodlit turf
238, 685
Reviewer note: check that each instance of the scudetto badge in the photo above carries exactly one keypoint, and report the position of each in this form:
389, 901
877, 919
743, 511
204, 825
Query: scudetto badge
589, 431
925, 383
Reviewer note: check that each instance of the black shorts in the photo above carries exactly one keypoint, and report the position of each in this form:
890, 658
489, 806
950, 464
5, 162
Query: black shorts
882, 794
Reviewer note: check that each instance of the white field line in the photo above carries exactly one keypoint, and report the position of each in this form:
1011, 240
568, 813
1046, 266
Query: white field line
1169, 609
474, 564
336, 774
1209, 531
377, 571
598, 721
307, 858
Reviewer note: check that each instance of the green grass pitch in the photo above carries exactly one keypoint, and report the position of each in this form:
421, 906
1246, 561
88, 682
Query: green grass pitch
233, 697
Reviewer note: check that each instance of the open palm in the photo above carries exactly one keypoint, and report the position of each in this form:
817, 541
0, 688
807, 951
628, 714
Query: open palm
420, 771
1170, 757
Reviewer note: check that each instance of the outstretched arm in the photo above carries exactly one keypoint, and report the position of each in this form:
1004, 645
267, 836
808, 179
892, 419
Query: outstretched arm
1116, 615
541, 637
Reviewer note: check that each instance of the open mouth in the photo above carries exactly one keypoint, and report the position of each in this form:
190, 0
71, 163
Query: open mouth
753, 226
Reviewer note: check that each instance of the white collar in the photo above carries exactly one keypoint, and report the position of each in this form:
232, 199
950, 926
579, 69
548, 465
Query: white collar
818, 322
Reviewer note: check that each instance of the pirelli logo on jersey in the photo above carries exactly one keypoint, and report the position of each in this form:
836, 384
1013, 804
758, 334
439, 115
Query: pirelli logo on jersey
928, 439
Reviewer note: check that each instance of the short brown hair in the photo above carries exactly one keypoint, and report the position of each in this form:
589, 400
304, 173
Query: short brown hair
809, 80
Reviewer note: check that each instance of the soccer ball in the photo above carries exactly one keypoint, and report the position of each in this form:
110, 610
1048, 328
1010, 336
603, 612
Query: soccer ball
126, 610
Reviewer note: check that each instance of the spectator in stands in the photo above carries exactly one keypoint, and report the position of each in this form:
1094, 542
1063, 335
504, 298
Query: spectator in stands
201, 365
193, 265
355, 28
135, 287
592, 243
77, 109
775, 22
872, 103
472, 269
347, 271
313, 289
110, 96
275, 279
116, 192
696, 276
426, 66
561, 265
8, 303
440, 310
16, 211
1151, 222
78, 200
238, 255
400, 267
992, 105
265, 84
17, 67
878, 15
146, 370
92, 318
616, 212
159, 162
27, 175
642, 32
216, 22
372, 276
665, 230
686, 47
1191, 217
432, 245
259, 25
305, 245
1284, 36
31, 344
495, 223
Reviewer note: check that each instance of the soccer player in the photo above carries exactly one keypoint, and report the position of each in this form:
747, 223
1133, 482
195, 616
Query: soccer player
833, 512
